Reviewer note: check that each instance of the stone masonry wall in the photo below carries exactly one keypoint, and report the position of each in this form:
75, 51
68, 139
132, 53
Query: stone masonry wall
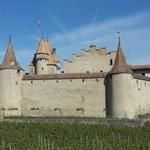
130, 96
94, 60
10, 92
141, 91
64, 97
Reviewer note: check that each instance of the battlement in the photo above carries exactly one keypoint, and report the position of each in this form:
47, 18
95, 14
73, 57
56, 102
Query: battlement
92, 60
92, 51
41, 56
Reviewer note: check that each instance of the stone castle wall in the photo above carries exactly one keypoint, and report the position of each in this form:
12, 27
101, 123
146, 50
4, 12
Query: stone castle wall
70, 95
141, 92
10, 92
129, 95
78, 95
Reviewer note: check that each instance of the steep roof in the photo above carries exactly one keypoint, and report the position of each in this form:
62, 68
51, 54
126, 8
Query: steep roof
120, 65
65, 76
45, 47
140, 67
10, 61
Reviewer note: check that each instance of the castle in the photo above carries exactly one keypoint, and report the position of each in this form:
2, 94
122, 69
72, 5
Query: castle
95, 83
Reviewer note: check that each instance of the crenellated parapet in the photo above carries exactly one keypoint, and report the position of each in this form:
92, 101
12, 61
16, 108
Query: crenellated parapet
92, 60
41, 56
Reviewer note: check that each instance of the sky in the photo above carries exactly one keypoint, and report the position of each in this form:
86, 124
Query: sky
75, 24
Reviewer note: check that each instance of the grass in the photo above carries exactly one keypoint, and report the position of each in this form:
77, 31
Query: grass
44, 136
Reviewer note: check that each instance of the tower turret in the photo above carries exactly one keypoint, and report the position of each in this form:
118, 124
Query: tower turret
121, 101
10, 87
120, 65
10, 61
45, 60
42, 58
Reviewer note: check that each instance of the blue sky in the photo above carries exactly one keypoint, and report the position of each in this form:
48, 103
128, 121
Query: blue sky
75, 24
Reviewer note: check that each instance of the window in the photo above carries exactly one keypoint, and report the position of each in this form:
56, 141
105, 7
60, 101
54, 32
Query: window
34, 108
42, 68
12, 108
111, 62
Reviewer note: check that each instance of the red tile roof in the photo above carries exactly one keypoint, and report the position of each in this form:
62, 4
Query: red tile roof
65, 76
140, 77
45, 47
10, 61
139, 67
120, 65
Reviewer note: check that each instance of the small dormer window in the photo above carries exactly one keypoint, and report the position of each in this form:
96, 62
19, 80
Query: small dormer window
12, 63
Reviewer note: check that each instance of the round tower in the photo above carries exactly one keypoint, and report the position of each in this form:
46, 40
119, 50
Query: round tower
121, 96
41, 63
41, 58
45, 60
10, 84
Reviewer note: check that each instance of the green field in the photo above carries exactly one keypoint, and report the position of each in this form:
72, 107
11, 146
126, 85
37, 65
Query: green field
42, 136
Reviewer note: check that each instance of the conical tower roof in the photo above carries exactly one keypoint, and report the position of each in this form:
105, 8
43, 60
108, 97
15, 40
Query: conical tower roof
10, 61
46, 48
120, 65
